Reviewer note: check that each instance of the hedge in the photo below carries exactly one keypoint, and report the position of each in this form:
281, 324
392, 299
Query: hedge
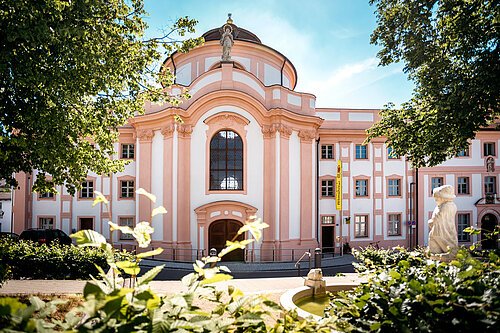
28, 260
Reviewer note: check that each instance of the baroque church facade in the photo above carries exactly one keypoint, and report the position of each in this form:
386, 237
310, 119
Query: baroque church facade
249, 144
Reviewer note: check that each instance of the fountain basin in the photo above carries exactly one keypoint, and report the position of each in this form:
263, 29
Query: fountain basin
303, 296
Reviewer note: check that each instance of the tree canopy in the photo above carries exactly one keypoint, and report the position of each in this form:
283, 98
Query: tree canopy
71, 73
450, 49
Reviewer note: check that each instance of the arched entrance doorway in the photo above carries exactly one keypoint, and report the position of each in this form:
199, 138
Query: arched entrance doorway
222, 230
488, 224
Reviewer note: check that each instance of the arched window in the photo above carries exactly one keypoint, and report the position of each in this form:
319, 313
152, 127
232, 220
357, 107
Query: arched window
226, 161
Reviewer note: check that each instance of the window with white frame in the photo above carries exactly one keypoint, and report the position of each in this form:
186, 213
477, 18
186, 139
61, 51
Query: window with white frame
128, 150
360, 226
394, 187
489, 149
490, 185
127, 189
329, 219
126, 222
463, 185
46, 222
327, 152
361, 187
87, 190
463, 222
327, 188
394, 225
361, 153
436, 182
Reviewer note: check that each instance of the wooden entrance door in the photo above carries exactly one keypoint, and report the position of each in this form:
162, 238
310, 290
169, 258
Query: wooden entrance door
488, 225
222, 230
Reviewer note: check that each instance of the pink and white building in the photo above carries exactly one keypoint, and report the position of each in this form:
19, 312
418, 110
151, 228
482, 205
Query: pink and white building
252, 145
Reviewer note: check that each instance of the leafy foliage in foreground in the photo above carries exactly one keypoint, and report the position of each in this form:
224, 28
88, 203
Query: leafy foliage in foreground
415, 294
406, 293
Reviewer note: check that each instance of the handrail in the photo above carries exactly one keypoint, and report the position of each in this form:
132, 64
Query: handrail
297, 264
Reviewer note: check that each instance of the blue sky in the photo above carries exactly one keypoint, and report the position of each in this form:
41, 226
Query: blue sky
328, 41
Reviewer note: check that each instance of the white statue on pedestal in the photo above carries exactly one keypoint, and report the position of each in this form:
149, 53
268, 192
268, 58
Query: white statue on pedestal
443, 239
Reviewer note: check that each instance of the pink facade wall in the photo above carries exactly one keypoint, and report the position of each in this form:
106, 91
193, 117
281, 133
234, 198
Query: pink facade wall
290, 133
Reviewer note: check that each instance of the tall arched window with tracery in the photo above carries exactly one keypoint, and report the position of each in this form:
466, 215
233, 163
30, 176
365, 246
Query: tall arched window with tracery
226, 161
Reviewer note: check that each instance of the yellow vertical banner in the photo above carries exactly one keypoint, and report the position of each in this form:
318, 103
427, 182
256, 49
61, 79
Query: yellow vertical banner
338, 187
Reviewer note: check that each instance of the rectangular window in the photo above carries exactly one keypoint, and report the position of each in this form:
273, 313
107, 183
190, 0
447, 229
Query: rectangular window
327, 219
361, 187
361, 226
361, 153
127, 189
126, 222
46, 222
327, 152
394, 187
128, 150
87, 190
436, 182
391, 154
327, 189
394, 225
463, 153
46, 195
490, 185
463, 222
463, 185
489, 149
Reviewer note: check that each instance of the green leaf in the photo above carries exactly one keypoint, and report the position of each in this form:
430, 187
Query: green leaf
231, 246
99, 198
216, 278
149, 275
89, 238
130, 268
154, 252
122, 229
145, 193
158, 210
255, 227
92, 289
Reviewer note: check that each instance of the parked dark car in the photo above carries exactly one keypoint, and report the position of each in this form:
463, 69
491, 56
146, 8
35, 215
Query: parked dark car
45, 236
9, 235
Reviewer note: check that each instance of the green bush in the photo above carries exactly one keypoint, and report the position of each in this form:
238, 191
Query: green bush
370, 258
410, 293
4, 273
28, 260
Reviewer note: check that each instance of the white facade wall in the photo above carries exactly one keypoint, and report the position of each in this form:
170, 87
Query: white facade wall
271, 75
157, 166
